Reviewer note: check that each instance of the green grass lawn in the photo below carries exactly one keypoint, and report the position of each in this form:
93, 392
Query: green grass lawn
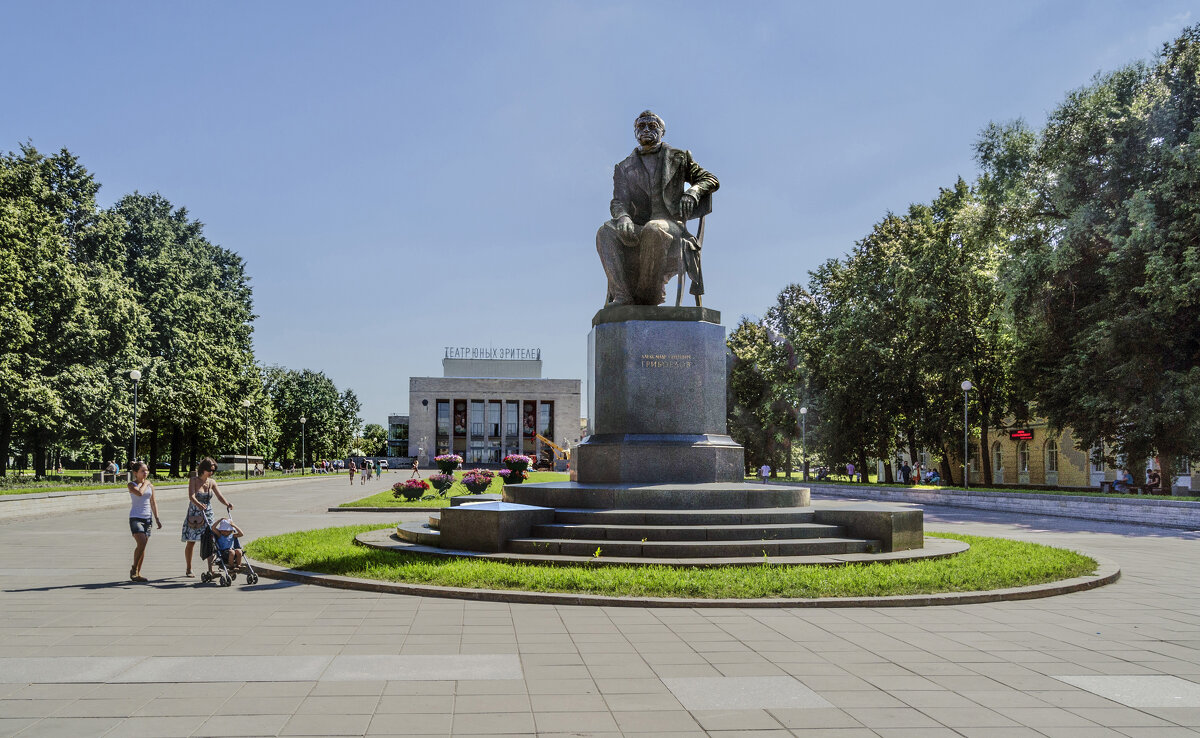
845, 482
384, 498
78, 481
990, 563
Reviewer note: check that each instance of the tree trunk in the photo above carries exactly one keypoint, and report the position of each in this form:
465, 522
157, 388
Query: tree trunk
1167, 478
192, 441
984, 461
153, 459
176, 448
108, 452
947, 470
39, 454
789, 457
884, 454
862, 464
6, 428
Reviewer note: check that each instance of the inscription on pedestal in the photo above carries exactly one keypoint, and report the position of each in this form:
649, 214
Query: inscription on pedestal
666, 361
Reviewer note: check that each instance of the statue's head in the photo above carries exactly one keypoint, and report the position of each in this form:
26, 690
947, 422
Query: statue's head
649, 128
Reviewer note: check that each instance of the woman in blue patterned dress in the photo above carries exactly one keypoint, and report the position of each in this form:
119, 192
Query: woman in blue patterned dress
201, 489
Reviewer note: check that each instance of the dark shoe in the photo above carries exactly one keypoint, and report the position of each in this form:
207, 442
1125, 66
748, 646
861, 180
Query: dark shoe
140, 578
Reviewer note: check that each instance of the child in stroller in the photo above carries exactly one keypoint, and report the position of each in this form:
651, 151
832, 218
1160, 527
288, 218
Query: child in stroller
230, 559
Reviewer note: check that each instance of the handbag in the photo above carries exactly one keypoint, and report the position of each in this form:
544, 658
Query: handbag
197, 520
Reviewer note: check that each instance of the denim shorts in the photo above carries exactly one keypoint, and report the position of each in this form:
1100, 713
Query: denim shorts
140, 525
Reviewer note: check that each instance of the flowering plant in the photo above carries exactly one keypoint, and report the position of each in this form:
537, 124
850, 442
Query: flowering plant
411, 489
513, 459
441, 482
448, 462
477, 480
513, 476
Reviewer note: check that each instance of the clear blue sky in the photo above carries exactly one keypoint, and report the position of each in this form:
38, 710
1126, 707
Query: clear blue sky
404, 176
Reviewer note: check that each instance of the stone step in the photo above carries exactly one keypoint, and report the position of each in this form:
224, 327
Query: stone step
710, 495
691, 549
757, 532
419, 533
755, 516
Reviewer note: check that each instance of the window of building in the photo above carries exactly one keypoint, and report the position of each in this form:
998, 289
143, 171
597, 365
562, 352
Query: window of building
529, 418
1023, 456
1182, 466
477, 418
974, 462
997, 458
512, 427
1097, 455
443, 419
546, 419
460, 418
493, 419
1052, 456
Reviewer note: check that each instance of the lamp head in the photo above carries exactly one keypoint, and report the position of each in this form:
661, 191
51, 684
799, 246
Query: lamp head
135, 375
303, 420
246, 403
804, 411
967, 386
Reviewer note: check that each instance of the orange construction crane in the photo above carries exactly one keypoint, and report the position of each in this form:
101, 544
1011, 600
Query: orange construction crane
560, 453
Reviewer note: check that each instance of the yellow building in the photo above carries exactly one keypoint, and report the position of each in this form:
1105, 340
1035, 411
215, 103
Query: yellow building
1035, 455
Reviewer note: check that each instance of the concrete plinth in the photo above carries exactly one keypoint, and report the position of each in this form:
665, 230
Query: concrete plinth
488, 526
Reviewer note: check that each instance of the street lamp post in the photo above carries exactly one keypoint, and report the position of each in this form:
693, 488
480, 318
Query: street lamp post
966, 388
136, 376
246, 415
804, 440
303, 420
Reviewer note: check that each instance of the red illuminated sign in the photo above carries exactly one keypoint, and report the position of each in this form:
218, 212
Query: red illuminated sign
1021, 435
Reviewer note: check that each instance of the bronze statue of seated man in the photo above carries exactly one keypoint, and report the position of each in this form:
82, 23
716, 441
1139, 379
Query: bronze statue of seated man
647, 241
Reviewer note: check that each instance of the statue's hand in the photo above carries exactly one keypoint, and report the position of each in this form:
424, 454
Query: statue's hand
687, 204
626, 231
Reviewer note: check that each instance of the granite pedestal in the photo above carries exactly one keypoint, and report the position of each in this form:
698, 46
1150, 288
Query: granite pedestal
656, 399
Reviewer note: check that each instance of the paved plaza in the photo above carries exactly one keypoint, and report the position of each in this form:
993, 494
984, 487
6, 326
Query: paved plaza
84, 652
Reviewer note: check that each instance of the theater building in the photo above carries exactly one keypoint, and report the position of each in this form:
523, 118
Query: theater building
488, 403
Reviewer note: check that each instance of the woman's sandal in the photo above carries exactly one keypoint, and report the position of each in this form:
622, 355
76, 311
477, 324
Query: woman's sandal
133, 573
189, 573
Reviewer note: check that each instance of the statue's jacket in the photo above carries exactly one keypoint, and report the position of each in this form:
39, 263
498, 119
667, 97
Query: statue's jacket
632, 190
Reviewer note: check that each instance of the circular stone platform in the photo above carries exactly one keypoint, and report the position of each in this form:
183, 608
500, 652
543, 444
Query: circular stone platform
934, 548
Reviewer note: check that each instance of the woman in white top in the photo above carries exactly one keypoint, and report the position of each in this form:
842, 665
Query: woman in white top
140, 512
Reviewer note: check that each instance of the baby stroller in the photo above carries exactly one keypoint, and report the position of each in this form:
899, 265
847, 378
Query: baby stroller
208, 547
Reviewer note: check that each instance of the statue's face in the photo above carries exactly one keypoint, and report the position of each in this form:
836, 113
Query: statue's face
647, 132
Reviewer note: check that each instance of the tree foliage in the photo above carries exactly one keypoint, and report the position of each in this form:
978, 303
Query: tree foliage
1104, 207
89, 294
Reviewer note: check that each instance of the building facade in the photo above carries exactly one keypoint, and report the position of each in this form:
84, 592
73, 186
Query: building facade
1036, 455
489, 403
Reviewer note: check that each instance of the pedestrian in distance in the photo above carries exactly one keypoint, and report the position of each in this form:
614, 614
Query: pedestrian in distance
201, 489
765, 471
416, 470
370, 468
353, 469
142, 510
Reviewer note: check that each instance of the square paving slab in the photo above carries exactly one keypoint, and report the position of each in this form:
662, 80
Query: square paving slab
1147, 690
743, 693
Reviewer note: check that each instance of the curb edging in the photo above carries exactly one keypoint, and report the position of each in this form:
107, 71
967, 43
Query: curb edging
1107, 572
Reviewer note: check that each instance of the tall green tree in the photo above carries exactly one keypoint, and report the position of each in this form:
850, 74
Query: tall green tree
201, 369
1104, 207
67, 318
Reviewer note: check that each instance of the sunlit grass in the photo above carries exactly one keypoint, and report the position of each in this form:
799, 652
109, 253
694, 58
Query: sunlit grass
990, 563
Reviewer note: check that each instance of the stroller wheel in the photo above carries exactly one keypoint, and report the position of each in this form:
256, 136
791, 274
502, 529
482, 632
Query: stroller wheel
252, 579
205, 577
226, 581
